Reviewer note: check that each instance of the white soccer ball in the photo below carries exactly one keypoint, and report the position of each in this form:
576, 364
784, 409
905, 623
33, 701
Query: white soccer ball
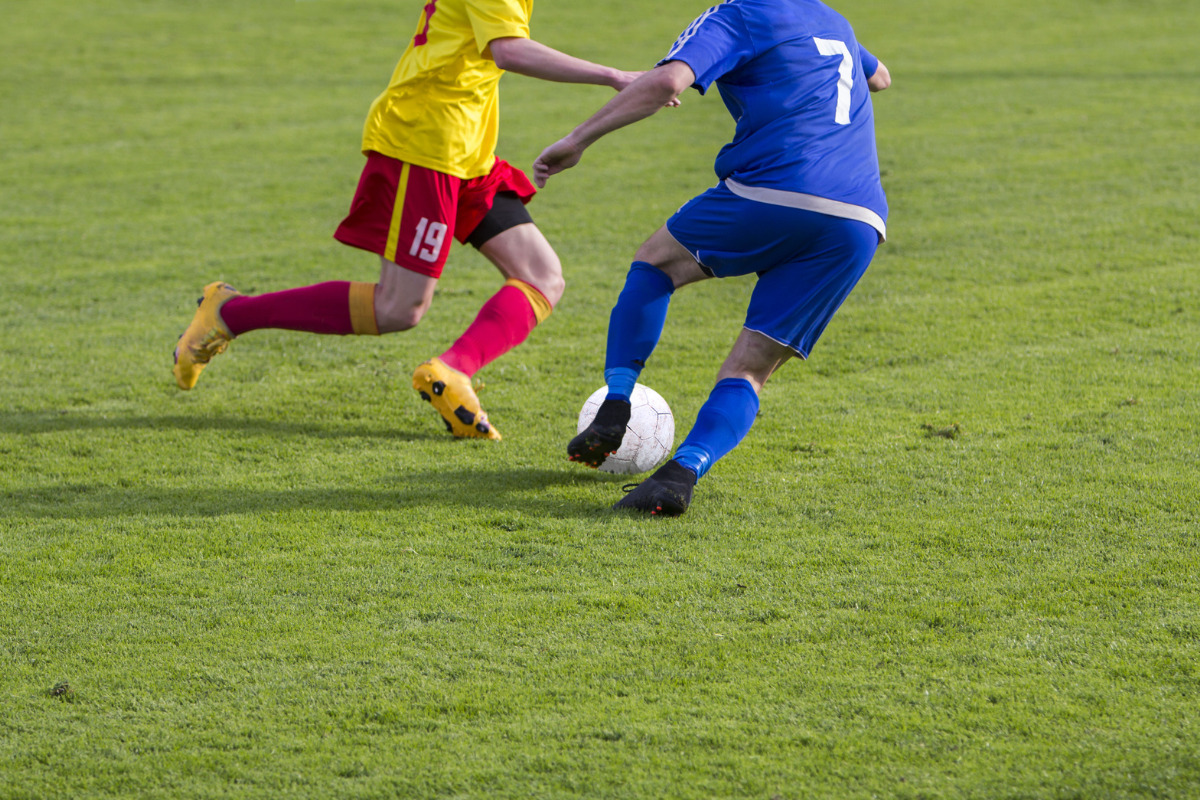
649, 436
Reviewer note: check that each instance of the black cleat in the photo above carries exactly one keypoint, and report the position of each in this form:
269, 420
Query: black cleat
666, 493
603, 436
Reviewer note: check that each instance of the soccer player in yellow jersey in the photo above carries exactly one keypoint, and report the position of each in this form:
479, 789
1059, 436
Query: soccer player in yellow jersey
431, 175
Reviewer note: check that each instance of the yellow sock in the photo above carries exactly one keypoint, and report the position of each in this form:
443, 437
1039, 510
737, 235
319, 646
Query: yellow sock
541, 306
362, 308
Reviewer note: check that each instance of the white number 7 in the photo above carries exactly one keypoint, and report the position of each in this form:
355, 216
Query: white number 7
834, 47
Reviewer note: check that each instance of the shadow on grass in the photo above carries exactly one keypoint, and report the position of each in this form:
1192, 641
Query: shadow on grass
56, 422
502, 490
499, 488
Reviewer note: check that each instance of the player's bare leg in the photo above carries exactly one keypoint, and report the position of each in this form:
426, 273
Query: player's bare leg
402, 297
754, 358
522, 253
668, 255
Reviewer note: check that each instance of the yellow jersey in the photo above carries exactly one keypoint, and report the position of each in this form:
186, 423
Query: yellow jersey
441, 109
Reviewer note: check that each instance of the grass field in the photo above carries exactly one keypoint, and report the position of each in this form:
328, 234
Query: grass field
957, 557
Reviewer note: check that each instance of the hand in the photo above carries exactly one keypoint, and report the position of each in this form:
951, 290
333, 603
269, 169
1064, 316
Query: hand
561, 155
621, 79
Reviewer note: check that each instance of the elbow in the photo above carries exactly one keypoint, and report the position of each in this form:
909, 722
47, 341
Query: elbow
506, 53
669, 80
665, 93
881, 80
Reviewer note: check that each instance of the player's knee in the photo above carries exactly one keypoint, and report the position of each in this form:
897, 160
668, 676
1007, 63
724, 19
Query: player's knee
522, 253
552, 288
395, 317
543, 272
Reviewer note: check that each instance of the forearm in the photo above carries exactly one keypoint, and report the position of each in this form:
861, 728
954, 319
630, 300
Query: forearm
641, 99
536, 60
658, 88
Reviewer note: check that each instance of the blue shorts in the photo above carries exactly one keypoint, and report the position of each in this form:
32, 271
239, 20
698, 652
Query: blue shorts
807, 263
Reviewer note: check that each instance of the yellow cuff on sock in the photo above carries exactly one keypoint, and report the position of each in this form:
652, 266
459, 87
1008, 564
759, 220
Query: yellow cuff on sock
541, 306
362, 309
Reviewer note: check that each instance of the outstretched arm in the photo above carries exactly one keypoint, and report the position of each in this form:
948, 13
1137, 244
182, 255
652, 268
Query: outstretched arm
653, 90
536, 60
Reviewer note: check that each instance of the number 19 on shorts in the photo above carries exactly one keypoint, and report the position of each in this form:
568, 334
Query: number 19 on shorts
427, 244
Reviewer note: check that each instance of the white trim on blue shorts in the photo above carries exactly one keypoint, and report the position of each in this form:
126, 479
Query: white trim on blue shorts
788, 345
809, 202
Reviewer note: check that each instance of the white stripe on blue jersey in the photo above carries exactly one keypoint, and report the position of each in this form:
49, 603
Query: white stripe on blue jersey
690, 32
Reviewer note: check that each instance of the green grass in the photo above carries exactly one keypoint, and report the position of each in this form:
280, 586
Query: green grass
956, 557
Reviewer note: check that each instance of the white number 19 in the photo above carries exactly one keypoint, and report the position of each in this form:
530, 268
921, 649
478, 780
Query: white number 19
834, 47
427, 244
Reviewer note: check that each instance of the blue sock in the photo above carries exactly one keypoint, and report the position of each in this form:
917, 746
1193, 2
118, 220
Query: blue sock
635, 326
723, 421
620, 383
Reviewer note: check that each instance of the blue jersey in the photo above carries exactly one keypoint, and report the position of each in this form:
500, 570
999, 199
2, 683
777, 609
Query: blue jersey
792, 75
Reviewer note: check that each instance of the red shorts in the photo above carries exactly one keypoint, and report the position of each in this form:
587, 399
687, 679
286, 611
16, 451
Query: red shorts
407, 213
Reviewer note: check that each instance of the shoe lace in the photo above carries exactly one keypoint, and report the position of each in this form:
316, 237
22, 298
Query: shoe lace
629, 487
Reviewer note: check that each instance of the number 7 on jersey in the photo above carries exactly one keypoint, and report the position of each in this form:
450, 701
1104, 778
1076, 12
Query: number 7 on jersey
834, 47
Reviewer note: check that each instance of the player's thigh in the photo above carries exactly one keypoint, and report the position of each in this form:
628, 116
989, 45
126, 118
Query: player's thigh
493, 219
665, 252
523, 253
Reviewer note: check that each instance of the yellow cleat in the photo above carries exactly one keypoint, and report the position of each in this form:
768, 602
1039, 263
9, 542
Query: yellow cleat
206, 337
451, 394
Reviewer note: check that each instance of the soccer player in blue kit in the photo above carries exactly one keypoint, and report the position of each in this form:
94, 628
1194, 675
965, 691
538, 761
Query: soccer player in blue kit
799, 203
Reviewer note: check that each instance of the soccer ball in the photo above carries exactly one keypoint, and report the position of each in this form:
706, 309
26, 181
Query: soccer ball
649, 436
